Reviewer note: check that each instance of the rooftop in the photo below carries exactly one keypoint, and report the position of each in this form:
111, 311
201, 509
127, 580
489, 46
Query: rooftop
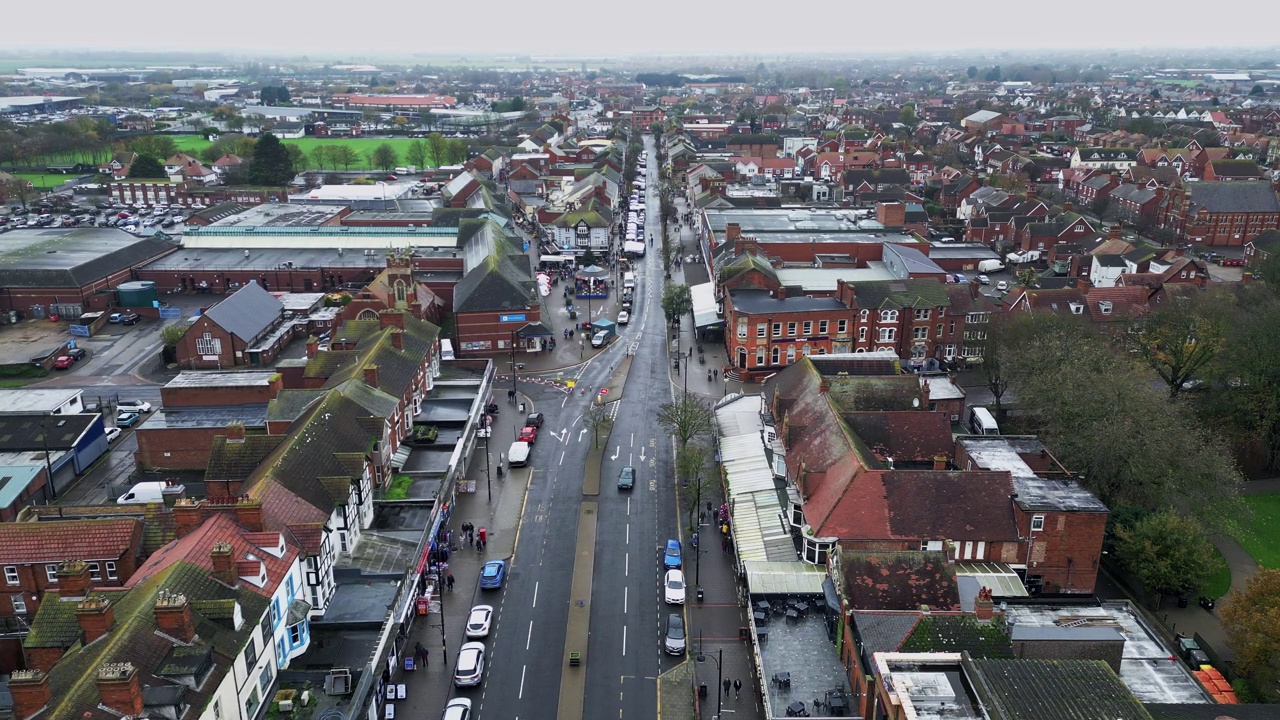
1004, 452
34, 401
221, 378
783, 220
72, 257
282, 215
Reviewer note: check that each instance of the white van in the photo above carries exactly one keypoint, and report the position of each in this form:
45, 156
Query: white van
147, 492
446, 349
629, 281
987, 266
982, 422
518, 454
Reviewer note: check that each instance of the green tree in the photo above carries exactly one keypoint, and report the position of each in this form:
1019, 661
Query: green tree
456, 151
907, 115
597, 420
1178, 340
172, 334
972, 72
1245, 403
687, 418
993, 75
297, 158
384, 156
157, 146
271, 165
1252, 621
322, 157
693, 468
416, 153
147, 166
346, 157
1170, 553
677, 301
437, 149
1258, 90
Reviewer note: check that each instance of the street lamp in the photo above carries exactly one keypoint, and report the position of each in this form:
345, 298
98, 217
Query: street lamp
515, 389
719, 658
486, 431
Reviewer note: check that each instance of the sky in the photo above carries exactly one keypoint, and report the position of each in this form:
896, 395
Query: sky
328, 29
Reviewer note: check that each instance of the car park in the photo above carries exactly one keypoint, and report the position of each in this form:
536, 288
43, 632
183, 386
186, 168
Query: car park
529, 434
470, 667
126, 419
457, 709
674, 640
673, 587
492, 574
63, 362
627, 478
534, 420
478, 621
672, 556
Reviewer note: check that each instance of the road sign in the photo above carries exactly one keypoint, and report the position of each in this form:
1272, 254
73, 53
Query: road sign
512, 318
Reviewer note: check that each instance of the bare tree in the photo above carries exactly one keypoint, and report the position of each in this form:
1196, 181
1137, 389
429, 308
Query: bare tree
597, 420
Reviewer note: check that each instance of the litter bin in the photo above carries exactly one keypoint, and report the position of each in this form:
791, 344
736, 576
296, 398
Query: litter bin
702, 690
700, 596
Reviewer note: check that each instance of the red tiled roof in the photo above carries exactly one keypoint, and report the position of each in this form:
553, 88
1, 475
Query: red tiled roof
54, 541
195, 547
950, 505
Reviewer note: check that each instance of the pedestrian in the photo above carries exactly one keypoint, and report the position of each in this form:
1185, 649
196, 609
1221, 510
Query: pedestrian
423, 654
702, 517
727, 684
716, 373
737, 688
724, 545
449, 581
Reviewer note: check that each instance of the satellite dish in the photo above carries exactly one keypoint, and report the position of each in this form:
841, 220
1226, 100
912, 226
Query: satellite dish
915, 402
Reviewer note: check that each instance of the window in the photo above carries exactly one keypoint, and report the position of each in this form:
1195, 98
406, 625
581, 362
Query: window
207, 344
823, 325
951, 327
111, 571
842, 328
950, 351
217, 710
19, 604
777, 356
268, 621
759, 357
939, 331
862, 334
742, 327
888, 316
762, 330
1037, 522
919, 333
888, 334
251, 654
791, 329
805, 350
401, 290
922, 313
95, 572
976, 317
11, 574
251, 705
51, 572
295, 634
808, 328
791, 354
862, 316
777, 329
264, 680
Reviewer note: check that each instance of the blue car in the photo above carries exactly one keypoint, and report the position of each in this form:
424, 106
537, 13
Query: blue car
494, 572
671, 559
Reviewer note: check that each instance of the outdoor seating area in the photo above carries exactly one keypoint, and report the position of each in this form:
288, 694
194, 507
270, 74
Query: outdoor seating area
804, 675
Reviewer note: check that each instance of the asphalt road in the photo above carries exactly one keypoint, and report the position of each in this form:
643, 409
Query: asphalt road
624, 655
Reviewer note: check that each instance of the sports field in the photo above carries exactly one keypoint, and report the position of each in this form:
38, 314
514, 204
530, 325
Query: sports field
363, 147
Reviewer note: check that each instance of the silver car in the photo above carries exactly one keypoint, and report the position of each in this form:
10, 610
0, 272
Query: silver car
674, 641
470, 667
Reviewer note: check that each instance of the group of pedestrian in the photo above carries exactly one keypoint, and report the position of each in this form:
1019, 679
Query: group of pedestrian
736, 686
469, 533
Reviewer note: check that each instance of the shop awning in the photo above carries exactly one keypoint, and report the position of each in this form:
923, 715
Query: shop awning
705, 308
784, 578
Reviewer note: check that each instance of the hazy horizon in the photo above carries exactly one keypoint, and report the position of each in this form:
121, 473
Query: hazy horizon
654, 29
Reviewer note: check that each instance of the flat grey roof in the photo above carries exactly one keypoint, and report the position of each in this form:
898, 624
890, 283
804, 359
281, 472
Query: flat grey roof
221, 378
1003, 452
365, 601
772, 220
282, 215
810, 237
206, 417
72, 257
759, 301
14, 402
259, 259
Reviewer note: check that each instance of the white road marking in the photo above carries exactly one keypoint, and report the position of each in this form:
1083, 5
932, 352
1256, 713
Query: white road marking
561, 457
522, 669
625, 594
633, 439
642, 454
529, 640
626, 563
616, 451
581, 434
624, 641
535, 594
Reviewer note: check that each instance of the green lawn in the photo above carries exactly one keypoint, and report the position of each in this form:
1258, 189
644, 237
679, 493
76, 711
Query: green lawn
363, 147
1219, 583
1260, 533
43, 181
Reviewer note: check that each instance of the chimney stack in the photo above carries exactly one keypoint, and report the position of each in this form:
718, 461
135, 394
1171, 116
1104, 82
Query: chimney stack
249, 514
224, 566
397, 340
983, 606
30, 691
371, 376
187, 516
732, 231
939, 463
313, 347
95, 616
120, 689
73, 579
1113, 232
391, 318
173, 616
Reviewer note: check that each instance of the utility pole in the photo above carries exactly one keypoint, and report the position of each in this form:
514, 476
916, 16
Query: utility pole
486, 433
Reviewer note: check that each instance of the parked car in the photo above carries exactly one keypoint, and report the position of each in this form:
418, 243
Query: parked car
599, 339
457, 709
529, 434
672, 557
534, 419
984, 280
113, 433
470, 668
478, 621
63, 362
627, 478
492, 574
674, 641
624, 317
77, 354
1002, 286
126, 419
673, 587
138, 406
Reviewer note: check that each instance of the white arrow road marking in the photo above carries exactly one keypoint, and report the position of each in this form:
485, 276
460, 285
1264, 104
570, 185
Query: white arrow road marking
641, 453
581, 432
616, 451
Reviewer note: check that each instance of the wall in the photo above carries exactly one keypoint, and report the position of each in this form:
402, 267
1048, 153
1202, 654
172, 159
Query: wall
487, 328
175, 448
1066, 553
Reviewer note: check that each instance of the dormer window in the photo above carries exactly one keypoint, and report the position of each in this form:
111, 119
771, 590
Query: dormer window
1104, 306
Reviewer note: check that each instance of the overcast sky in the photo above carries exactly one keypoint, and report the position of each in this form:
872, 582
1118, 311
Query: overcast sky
570, 28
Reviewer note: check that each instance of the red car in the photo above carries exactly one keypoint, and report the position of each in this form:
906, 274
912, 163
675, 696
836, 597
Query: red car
392, 177
63, 362
529, 434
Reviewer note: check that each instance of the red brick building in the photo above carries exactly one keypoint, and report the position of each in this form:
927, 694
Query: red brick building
1221, 213
491, 303
642, 116
244, 329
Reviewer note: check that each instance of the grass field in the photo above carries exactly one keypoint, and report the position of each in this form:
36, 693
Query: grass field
363, 147
1260, 533
1219, 583
43, 181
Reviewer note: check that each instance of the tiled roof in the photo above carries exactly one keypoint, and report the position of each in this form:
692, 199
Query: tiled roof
247, 312
20, 433
499, 283
892, 294
959, 633
899, 580
884, 631
871, 393
54, 541
238, 460
906, 435
1054, 690
1234, 197
1213, 711
194, 549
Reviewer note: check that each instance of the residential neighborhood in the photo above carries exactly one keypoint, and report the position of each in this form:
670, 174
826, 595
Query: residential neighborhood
351, 390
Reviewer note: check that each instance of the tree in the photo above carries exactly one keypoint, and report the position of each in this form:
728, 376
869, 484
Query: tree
1178, 340
677, 301
297, 158
1252, 620
694, 471
993, 75
1170, 553
456, 151
384, 156
1258, 90
147, 166
597, 420
1245, 403
972, 72
686, 418
172, 334
346, 157
18, 189
235, 123
437, 149
271, 165
1155, 93
907, 115
157, 146
416, 153
322, 157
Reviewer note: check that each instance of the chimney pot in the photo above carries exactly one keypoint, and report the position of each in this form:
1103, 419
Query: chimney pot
95, 616
187, 516
984, 605
173, 616
224, 566
120, 689
30, 691
73, 579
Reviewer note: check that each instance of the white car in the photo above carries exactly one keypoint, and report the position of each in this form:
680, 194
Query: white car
470, 668
673, 588
113, 433
624, 317
599, 339
138, 406
478, 621
1002, 286
457, 709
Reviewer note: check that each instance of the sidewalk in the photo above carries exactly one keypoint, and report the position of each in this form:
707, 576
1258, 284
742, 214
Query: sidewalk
428, 690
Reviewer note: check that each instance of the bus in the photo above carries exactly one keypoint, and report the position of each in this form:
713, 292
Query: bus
982, 422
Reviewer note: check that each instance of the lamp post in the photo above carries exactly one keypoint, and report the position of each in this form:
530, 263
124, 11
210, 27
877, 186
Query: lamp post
486, 432
515, 388
719, 658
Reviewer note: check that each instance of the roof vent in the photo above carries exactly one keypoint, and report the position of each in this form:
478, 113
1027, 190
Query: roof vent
1104, 306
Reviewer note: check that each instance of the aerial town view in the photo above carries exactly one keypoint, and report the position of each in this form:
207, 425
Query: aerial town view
409, 374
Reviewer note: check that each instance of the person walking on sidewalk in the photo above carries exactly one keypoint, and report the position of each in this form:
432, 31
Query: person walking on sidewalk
422, 653
737, 688
724, 545
449, 581
727, 685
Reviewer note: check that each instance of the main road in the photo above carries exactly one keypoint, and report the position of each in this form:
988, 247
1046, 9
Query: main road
624, 655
